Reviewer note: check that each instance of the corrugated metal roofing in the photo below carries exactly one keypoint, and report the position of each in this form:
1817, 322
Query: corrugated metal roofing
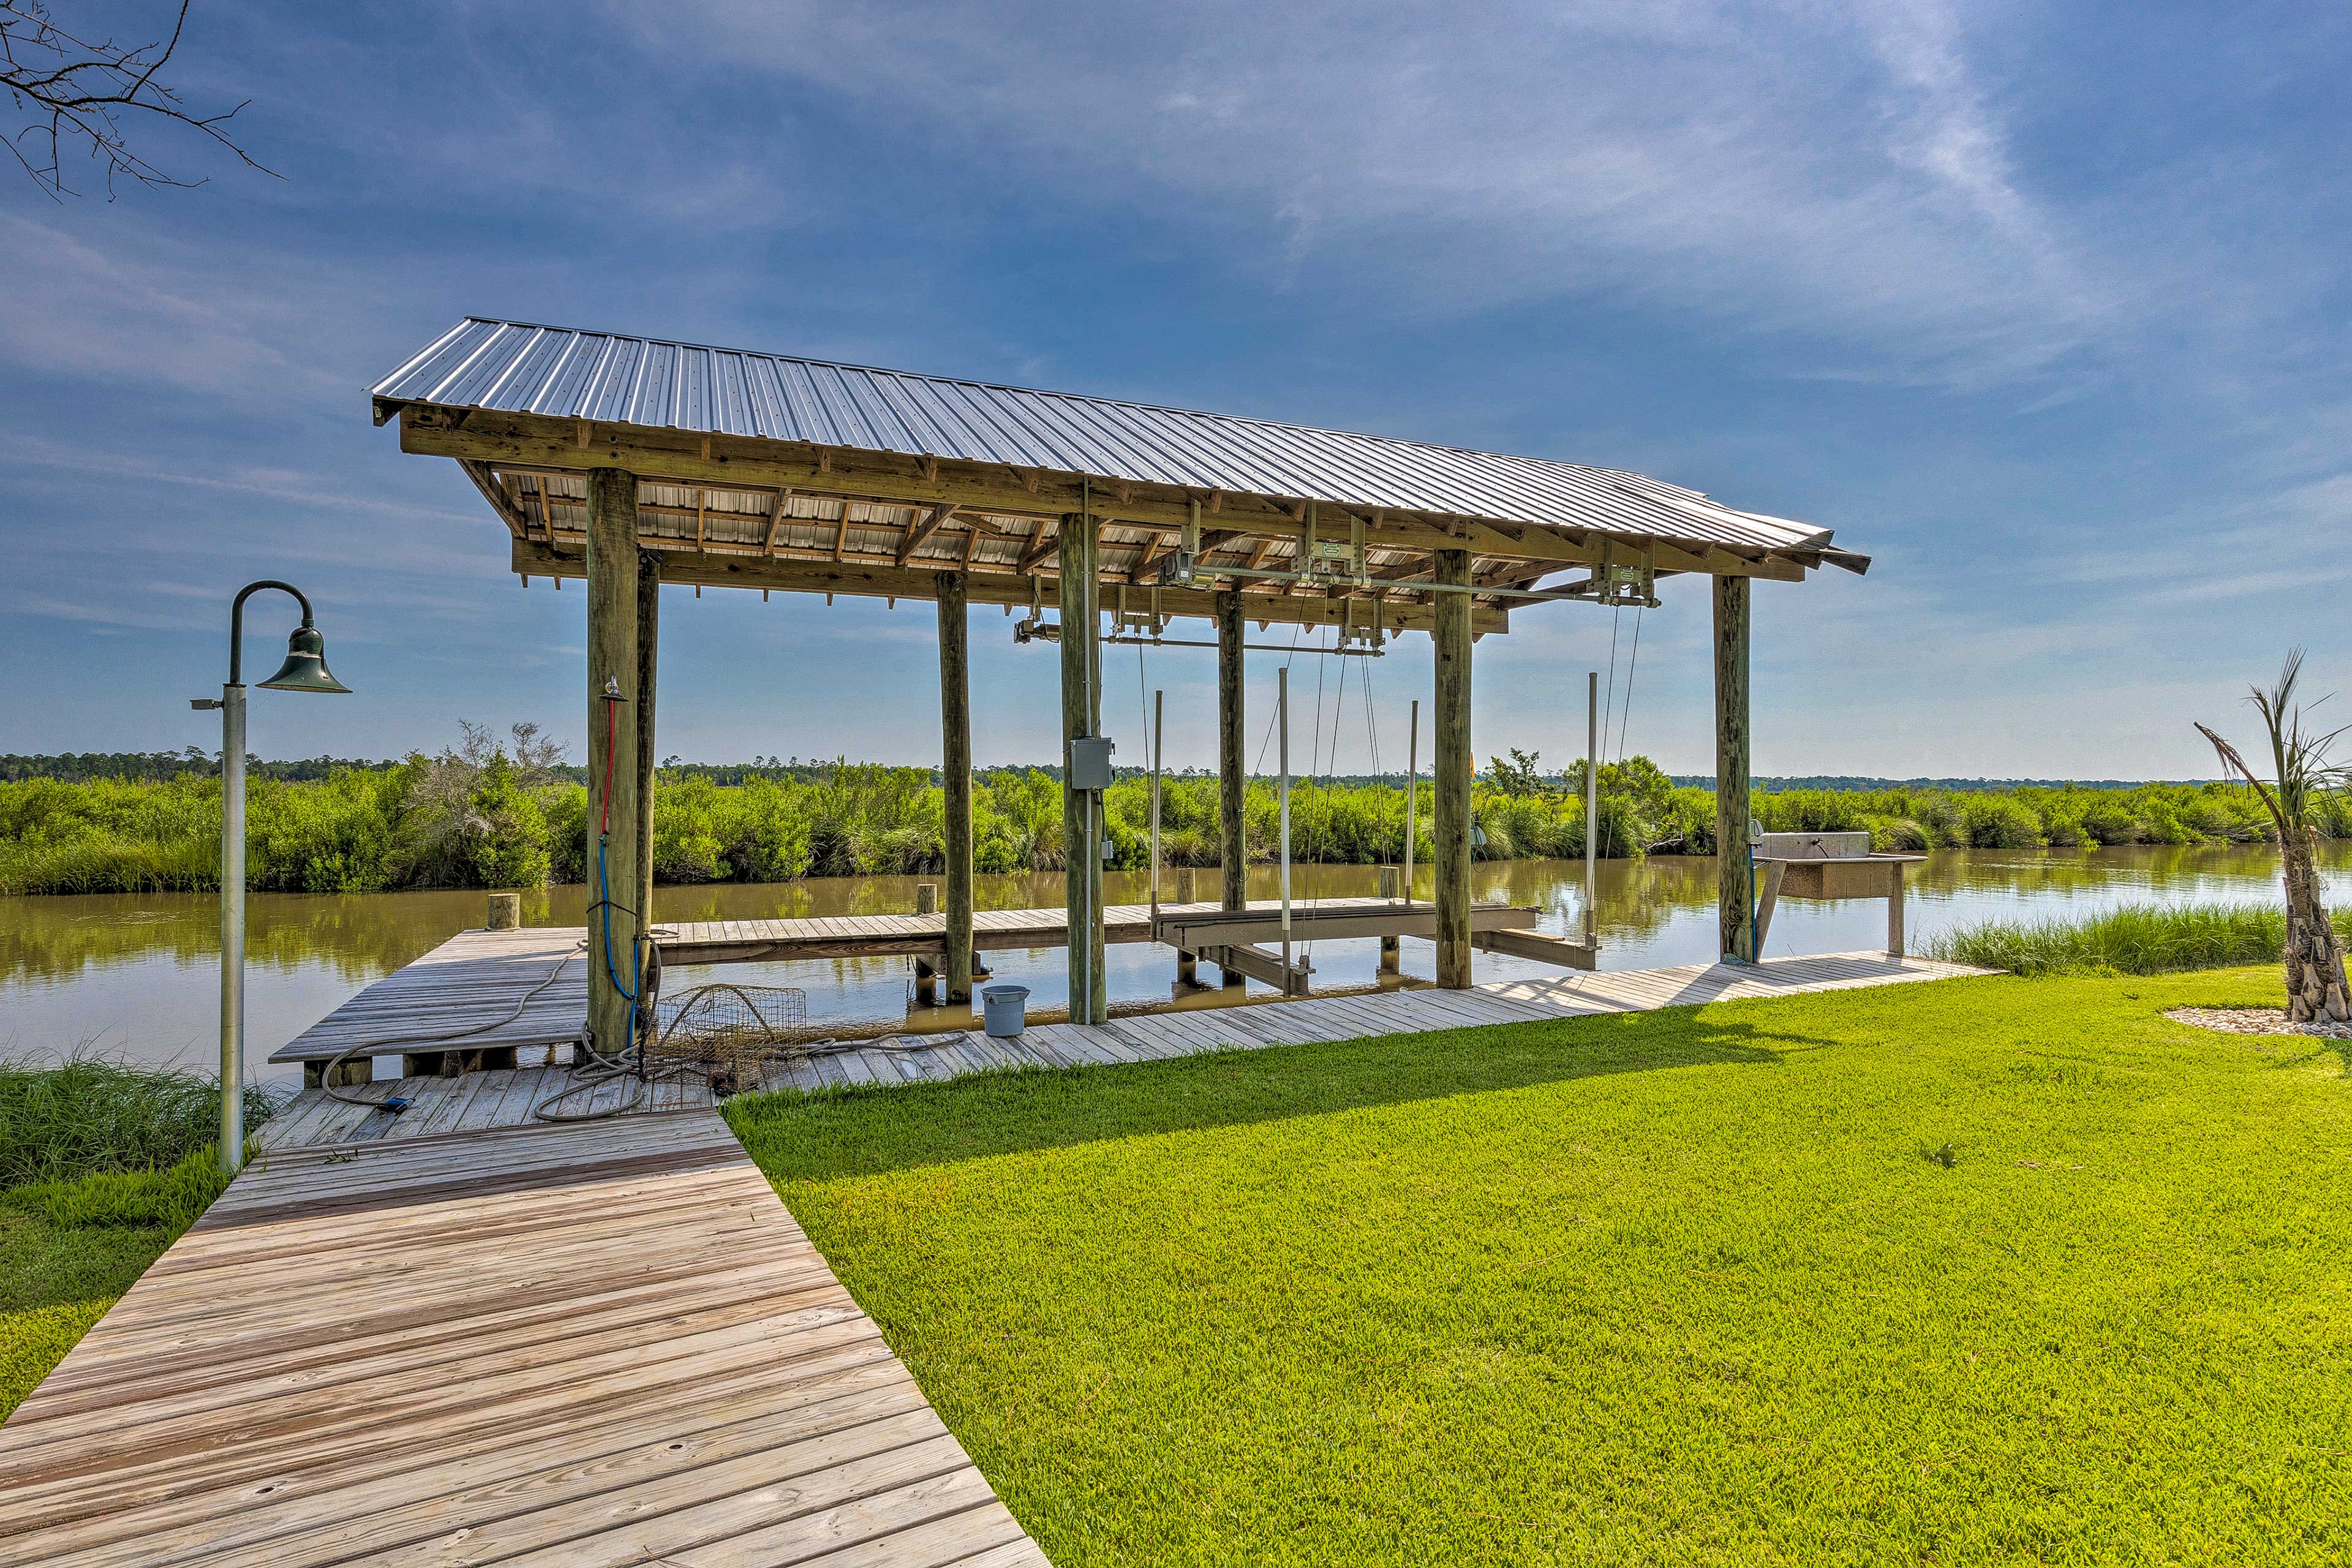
517, 367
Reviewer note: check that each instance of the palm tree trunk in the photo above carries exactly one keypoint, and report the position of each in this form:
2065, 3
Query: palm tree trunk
2316, 990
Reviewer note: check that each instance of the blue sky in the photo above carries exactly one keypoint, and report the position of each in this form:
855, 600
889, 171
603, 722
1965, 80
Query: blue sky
2043, 306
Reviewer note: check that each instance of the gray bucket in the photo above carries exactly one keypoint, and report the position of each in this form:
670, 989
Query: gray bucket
1004, 1010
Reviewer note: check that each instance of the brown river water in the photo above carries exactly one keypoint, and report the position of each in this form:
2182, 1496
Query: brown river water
137, 976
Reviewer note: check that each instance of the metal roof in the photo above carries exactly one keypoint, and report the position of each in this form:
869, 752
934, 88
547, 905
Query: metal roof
517, 367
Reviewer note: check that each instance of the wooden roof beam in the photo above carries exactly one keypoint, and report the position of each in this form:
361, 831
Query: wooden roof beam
510, 440
1047, 547
495, 493
747, 567
918, 532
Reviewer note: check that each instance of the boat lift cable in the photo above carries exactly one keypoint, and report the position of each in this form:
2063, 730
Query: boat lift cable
1297, 631
1625, 710
1609, 700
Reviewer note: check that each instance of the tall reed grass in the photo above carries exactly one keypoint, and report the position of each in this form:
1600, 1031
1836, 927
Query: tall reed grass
91, 1115
2134, 939
469, 821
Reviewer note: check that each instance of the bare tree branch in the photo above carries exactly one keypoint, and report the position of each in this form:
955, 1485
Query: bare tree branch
74, 93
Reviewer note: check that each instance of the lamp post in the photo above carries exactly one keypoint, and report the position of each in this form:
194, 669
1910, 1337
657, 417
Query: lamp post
305, 670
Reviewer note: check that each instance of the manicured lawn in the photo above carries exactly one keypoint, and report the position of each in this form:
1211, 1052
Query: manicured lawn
1686, 1287
67, 1249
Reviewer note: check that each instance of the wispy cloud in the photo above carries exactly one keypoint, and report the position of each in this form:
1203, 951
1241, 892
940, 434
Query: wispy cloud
1834, 170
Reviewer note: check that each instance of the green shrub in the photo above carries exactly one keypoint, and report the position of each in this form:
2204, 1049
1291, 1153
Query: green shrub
476, 816
1998, 822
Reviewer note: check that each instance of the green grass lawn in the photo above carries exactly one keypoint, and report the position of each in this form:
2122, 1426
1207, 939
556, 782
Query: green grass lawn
1681, 1287
68, 1248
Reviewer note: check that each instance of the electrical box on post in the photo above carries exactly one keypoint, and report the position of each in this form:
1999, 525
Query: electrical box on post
1089, 766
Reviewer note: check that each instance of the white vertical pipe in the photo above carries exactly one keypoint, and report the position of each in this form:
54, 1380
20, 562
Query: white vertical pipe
232, 1009
1282, 723
1412, 791
1592, 799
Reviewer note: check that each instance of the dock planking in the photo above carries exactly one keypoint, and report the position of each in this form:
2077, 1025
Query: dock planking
442, 1106
595, 1345
477, 977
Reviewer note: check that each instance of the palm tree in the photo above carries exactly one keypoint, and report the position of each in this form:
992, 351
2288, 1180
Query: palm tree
2316, 989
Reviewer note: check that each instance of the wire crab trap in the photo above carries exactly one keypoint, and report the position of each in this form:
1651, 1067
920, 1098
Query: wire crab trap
730, 1032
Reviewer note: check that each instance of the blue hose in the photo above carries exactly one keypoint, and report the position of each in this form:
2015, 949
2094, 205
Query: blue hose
636, 960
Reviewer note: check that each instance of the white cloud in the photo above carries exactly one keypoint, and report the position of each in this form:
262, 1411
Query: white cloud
1836, 170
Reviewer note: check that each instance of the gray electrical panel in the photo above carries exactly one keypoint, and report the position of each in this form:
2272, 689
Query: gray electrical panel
1090, 762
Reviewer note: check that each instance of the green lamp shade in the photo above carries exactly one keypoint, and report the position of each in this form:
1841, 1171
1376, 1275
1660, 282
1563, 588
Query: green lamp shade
305, 669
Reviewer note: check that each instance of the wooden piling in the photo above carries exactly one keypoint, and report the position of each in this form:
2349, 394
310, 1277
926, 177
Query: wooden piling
649, 566
955, 772
1391, 947
1734, 879
505, 913
1451, 772
1090, 636
358, 1070
612, 555
1233, 834
1081, 715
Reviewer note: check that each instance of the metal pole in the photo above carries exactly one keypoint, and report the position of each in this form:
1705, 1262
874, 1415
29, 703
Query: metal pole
1282, 722
1411, 792
1159, 706
232, 1009
1591, 798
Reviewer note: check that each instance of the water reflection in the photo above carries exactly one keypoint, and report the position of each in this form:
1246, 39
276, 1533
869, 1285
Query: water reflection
136, 972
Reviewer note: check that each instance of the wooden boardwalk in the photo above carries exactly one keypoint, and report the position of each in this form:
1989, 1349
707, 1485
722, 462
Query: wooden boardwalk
590, 1346
477, 976
479, 1100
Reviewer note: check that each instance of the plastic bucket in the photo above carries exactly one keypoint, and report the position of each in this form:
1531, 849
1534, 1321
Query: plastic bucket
1004, 1009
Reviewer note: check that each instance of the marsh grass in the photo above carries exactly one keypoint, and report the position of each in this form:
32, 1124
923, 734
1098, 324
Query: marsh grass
2135, 939
92, 1115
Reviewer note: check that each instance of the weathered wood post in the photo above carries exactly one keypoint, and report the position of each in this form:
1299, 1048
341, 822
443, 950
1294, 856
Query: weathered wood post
927, 973
649, 566
1734, 874
1452, 768
1392, 888
955, 768
505, 912
1090, 634
1233, 782
615, 827
1081, 715
1895, 869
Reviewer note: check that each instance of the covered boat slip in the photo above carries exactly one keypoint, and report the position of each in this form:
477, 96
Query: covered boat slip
630, 462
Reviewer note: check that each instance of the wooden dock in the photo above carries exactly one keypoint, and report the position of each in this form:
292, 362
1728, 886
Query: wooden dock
591, 1346
477, 1101
478, 976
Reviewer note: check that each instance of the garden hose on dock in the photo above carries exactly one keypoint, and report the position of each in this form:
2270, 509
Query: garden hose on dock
375, 1046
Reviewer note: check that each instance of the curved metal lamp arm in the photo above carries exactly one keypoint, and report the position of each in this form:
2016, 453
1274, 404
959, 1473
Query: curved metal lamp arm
236, 621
